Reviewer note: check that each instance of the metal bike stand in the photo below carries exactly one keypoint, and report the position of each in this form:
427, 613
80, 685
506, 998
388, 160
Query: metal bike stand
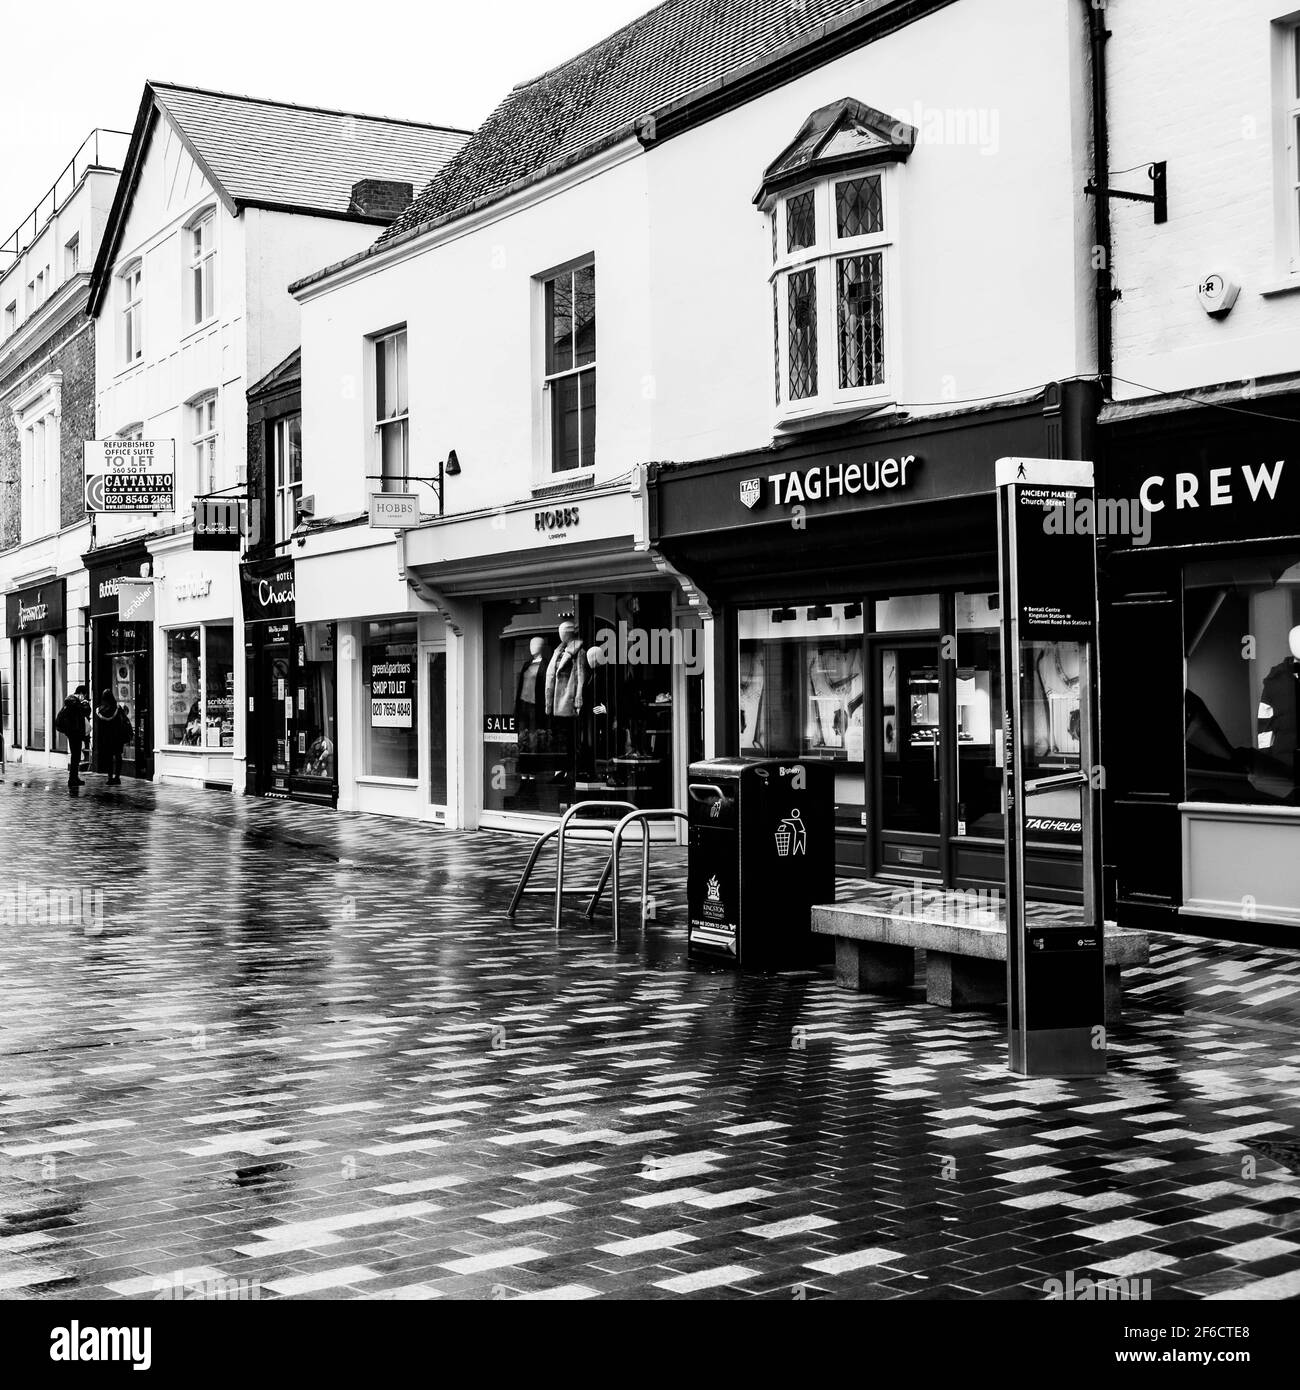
642, 818
601, 825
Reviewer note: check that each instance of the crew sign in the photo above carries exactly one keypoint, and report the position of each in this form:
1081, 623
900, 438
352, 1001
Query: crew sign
130, 475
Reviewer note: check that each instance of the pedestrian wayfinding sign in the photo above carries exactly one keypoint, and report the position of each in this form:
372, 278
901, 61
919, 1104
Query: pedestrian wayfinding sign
128, 476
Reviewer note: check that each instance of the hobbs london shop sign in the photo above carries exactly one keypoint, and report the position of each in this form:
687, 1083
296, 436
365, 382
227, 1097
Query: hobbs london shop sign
38, 609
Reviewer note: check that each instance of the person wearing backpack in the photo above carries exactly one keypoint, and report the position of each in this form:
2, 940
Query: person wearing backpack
72, 722
113, 732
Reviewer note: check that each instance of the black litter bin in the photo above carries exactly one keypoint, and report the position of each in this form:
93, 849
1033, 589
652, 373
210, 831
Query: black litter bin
762, 852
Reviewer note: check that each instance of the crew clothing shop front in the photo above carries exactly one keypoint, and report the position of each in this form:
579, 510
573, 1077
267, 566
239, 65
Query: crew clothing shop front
122, 644
582, 667
36, 626
1200, 671
856, 622
291, 676
200, 682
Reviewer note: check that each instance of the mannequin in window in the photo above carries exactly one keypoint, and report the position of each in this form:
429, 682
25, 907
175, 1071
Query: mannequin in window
1276, 725
530, 689
566, 679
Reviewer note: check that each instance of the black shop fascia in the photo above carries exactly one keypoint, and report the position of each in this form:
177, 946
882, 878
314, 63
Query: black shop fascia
1200, 662
852, 578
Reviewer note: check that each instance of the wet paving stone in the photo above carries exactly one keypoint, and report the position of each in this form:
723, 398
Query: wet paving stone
256, 1049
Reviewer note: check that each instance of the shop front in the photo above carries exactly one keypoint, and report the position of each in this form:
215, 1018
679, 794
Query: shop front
1200, 669
852, 581
122, 648
197, 687
292, 714
36, 628
580, 664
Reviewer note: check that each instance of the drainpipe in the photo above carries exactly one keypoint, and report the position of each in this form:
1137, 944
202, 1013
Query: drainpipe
1105, 292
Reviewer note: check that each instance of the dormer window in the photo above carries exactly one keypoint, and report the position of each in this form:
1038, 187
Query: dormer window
829, 196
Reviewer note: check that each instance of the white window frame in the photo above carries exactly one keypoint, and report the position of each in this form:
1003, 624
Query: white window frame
287, 492
201, 268
72, 256
131, 280
823, 258
398, 421
550, 398
1289, 112
11, 318
37, 416
204, 436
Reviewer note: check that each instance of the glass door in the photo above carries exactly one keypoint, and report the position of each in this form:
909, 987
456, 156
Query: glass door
438, 728
280, 721
908, 734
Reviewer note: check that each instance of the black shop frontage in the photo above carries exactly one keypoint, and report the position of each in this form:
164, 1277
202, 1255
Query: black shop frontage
852, 581
121, 648
291, 680
1200, 667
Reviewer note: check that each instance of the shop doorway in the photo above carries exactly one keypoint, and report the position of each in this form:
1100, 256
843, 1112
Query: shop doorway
437, 680
279, 725
910, 749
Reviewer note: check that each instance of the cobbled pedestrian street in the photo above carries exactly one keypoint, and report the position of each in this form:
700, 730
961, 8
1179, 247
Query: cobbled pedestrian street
294, 1053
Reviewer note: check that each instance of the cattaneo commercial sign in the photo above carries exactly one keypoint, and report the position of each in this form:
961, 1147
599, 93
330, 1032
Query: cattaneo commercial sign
125, 476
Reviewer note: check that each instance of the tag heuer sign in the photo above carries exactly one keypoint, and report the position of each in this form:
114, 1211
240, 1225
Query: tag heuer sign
751, 492
217, 523
130, 475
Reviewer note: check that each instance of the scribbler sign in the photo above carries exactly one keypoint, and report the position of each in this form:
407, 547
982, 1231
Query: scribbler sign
130, 475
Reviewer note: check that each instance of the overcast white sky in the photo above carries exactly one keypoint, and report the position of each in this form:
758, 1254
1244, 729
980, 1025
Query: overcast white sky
83, 63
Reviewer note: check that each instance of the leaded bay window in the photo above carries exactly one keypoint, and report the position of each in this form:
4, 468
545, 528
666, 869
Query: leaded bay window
831, 292
829, 196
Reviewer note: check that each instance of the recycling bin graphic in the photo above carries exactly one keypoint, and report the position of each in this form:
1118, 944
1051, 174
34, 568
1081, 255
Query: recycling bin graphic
762, 853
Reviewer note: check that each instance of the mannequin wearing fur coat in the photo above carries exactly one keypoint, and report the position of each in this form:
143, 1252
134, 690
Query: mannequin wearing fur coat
566, 675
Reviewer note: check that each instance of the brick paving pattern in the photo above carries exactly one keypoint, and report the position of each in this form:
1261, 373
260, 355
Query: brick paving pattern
307, 1055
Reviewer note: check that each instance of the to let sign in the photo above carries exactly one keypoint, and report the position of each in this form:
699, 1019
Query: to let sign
390, 672
398, 510
130, 475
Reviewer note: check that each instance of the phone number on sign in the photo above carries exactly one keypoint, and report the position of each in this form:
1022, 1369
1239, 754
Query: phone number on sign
393, 714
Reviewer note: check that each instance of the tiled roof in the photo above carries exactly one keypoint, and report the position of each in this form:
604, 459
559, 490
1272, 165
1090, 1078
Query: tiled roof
676, 49
270, 152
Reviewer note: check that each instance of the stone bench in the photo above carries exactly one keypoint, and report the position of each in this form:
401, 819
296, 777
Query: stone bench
965, 962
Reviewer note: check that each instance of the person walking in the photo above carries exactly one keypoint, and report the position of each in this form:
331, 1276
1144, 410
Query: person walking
112, 732
72, 721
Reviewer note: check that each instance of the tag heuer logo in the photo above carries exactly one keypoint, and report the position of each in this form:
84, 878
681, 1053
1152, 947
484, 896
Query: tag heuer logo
751, 489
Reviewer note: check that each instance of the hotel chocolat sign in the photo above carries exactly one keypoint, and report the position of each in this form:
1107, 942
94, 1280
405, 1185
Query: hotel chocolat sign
268, 594
37, 609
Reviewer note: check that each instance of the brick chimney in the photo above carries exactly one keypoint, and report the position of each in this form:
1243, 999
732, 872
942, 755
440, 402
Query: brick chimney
380, 199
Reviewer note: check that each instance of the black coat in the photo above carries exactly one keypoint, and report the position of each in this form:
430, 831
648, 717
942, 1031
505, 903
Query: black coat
77, 709
112, 732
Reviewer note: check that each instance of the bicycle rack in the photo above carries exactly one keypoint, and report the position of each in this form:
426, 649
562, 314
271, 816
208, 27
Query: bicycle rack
572, 819
643, 818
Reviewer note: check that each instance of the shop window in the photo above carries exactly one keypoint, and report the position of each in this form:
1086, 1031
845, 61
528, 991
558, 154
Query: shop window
978, 711
801, 689
131, 290
907, 613
390, 741
392, 411
200, 687
200, 270
832, 246
314, 750
570, 385
1242, 632
578, 700
36, 692
288, 475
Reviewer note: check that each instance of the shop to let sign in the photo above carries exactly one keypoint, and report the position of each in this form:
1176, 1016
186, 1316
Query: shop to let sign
130, 475
392, 688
